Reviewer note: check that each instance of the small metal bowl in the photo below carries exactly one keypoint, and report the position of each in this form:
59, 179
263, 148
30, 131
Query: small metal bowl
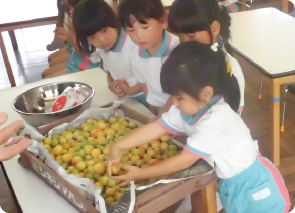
31, 105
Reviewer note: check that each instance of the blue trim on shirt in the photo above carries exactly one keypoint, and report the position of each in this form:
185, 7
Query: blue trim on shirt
162, 50
197, 152
166, 126
119, 45
191, 120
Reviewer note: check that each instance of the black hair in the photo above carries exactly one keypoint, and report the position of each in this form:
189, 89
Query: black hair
91, 16
73, 3
189, 16
141, 10
61, 12
192, 66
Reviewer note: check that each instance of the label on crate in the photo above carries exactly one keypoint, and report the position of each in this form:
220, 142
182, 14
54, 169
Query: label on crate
57, 186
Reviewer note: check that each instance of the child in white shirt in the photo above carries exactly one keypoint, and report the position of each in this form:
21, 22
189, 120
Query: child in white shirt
195, 75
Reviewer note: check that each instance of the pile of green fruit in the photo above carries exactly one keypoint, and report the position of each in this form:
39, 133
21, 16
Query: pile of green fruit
84, 152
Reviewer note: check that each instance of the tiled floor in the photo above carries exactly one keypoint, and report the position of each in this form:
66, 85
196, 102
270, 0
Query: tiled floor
31, 59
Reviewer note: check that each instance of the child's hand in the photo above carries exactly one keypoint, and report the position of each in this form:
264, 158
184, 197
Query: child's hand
125, 88
133, 174
62, 34
114, 157
115, 88
145, 90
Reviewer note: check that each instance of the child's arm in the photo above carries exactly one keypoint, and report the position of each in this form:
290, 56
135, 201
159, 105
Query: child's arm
166, 167
64, 72
138, 88
165, 108
73, 41
143, 135
114, 86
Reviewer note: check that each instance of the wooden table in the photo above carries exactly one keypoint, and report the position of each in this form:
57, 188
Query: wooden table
265, 38
285, 6
35, 196
18, 14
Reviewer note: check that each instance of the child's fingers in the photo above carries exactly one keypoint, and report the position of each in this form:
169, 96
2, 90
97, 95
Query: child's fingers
122, 177
125, 167
110, 168
124, 183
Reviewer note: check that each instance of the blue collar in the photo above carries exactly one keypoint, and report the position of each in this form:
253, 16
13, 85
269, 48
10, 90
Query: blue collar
120, 43
162, 50
192, 120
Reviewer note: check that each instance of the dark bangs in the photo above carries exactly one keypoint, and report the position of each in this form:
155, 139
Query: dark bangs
141, 10
89, 17
187, 16
73, 3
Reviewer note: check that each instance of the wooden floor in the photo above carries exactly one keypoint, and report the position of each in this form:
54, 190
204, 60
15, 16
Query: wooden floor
256, 112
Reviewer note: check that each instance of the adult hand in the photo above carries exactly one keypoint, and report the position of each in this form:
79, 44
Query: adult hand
17, 145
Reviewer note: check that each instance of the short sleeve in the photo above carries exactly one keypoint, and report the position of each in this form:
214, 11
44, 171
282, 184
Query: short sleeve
206, 141
171, 121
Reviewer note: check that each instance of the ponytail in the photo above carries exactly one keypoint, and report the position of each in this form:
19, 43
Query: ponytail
229, 89
192, 66
225, 22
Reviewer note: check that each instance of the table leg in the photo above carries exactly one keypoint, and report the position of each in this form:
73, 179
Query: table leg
6, 61
275, 126
204, 201
285, 6
13, 40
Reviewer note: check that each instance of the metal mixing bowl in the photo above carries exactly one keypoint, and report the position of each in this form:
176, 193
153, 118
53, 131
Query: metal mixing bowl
31, 105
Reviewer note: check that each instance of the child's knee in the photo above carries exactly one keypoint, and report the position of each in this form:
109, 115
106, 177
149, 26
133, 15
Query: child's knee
51, 58
44, 74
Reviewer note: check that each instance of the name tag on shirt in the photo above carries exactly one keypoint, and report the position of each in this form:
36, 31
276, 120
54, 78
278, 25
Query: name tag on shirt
264, 193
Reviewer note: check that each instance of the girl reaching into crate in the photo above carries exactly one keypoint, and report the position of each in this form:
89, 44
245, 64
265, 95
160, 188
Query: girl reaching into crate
196, 76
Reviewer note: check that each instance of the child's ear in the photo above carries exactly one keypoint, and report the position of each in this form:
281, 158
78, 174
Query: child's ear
207, 94
164, 20
215, 28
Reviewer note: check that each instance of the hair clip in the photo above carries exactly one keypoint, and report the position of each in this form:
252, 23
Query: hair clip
214, 47
229, 68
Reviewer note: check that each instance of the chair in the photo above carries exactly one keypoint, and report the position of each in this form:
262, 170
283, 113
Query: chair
290, 88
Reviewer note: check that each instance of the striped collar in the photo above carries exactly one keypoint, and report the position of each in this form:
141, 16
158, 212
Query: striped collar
162, 50
192, 120
120, 43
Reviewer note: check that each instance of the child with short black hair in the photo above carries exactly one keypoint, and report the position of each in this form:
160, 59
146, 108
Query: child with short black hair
98, 29
145, 23
78, 61
208, 22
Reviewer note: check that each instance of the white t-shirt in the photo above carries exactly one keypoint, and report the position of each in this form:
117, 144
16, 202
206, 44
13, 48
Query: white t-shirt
147, 68
116, 62
216, 133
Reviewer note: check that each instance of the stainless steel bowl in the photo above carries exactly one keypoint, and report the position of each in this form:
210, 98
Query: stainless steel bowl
31, 105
